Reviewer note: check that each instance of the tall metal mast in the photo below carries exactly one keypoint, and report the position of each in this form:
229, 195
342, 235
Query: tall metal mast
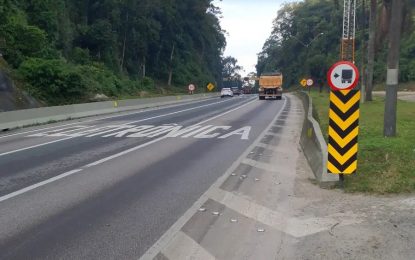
349, 31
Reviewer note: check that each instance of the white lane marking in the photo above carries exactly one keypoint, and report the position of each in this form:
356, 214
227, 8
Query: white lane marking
66, 133
106, 159
129, 131
57, 131
179, 131
196, 131
153, 131
170, 130
63, 175
168, 237
154, 141
111, 129
143, 110
37, 185
34, 146
141, 120
243, 132
208, 133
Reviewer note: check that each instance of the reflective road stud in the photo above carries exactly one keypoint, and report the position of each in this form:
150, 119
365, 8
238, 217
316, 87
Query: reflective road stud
343, 131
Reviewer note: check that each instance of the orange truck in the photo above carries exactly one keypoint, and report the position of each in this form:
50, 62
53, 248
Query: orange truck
270, 86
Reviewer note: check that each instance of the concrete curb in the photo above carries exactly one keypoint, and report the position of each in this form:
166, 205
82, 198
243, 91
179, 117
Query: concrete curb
27, 117
314, 146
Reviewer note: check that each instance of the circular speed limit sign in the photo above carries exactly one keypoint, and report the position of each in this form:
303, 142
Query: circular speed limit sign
192, 87
310, 82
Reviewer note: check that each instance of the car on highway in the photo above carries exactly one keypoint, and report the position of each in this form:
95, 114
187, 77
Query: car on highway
226, 92
236, 91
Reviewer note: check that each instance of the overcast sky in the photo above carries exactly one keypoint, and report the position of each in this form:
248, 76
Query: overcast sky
249, 24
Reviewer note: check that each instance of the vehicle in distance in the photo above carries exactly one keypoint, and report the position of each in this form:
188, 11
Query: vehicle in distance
226, 92
236, 91
270, 86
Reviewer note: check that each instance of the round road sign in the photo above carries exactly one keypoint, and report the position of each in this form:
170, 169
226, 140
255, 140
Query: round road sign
192, 87
343, 75
303, 82
310, 82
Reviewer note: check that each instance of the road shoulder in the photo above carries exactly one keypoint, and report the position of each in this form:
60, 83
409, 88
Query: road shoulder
267, 207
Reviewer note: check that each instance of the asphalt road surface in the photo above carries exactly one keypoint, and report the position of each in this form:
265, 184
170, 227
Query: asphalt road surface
110, 187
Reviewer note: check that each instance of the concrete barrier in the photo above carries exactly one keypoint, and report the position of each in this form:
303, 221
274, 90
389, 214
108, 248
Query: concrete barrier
314, 145
26, 117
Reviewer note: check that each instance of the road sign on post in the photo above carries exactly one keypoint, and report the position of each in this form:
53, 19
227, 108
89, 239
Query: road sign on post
191, 88
343, 118
210, 86
303, 83
343, 75
310, 82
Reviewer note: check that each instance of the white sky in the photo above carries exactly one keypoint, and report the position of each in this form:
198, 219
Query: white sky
249, 24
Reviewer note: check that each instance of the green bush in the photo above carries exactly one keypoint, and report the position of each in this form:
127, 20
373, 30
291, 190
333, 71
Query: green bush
58, 82
22, 41
80, 56
100, 80
53, 81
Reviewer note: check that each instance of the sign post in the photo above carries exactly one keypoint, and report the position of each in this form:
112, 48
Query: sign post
310, 83
303, 83
191, 89
210, 87
343, 118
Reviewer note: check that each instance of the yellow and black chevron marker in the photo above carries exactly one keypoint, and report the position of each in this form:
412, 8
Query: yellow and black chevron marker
343, 131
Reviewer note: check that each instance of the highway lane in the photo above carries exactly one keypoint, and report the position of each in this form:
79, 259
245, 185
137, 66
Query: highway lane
118, 188
46, 157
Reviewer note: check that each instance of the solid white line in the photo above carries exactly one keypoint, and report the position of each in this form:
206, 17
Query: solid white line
34, 146
123, 152
142, 110
63, 175
37, 185
141, 120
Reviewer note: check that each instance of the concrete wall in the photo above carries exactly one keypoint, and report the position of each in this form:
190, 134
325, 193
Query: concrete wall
314, 145
20, 118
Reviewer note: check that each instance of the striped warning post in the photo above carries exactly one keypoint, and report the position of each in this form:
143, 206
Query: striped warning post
343, 131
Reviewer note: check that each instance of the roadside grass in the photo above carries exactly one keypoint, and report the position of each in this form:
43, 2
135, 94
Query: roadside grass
385, 165
407, 86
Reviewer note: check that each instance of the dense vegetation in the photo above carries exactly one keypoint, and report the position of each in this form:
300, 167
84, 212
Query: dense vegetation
67, 50
305, 40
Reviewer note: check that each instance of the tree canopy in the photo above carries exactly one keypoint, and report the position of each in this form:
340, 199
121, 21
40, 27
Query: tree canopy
129, 39
305, 41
